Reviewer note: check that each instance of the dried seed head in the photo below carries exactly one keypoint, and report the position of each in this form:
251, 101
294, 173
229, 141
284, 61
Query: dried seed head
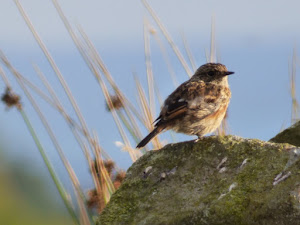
95, 200
11, 99
120, 176
109, 165
152, 30
92, 198
117, 103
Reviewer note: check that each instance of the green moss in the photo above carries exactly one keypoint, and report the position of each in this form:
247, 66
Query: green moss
290, 135
199, 194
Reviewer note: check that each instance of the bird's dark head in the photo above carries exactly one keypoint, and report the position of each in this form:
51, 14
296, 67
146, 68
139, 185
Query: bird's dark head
210, 72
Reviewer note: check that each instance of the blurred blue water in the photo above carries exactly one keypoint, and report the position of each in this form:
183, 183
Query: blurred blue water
252, 40
260, 103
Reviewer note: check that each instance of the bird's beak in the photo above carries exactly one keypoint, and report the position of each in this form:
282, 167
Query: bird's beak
228, 73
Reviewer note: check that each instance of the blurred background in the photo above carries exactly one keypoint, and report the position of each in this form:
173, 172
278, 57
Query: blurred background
258, 40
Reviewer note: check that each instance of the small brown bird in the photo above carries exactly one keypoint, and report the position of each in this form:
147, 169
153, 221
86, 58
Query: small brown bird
197, 106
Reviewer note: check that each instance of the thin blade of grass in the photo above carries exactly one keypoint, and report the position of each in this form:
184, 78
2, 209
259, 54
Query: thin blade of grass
107, 188
188, 51
77, 137
61, 79
165, 56
128, 106
133, 154
100, 62
90, 62
146, 112
144, 105
218, 53
206, 55
168, 37
4, 78
90, 59
37, 90
72, 175
54, 177
212, 41
295, 104
104, 171
58, 105
63, 194
54, 67
149, 71
127, 125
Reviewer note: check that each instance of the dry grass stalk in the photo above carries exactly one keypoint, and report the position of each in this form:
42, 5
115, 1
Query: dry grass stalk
149, 71
93, 60
54, 67
64, 195
169, 39
146, 111
295, 104
188, 52
165, 55
212, 41
96, 198
79, 193
123, 111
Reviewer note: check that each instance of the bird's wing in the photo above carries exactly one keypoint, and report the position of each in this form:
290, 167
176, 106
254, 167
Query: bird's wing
176, 104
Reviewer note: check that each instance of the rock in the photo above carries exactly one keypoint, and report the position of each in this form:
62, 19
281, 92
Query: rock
290, 135
218, 180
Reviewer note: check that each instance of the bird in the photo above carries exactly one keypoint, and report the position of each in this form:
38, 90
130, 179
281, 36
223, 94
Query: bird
197, 106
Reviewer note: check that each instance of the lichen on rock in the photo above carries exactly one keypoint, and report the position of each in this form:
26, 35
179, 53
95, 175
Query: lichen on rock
218, 180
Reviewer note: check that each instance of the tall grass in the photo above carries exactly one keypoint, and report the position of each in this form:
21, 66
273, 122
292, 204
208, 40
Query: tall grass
128, 118
292, 73
131, 119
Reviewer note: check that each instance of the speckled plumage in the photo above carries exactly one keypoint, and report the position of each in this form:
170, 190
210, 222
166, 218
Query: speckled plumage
197, 106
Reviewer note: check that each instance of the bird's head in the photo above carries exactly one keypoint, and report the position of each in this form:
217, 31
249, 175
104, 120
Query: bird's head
211, 72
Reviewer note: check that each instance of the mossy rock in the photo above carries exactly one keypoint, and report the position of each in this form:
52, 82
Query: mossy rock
218, 180
290, 135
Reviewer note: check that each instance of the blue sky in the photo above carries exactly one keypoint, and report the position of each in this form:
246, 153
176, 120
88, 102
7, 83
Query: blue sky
254, 38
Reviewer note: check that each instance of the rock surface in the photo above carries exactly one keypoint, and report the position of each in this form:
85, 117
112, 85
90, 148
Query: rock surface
290, 135
218, 180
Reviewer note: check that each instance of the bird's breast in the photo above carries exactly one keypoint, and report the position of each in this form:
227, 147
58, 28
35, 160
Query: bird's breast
205, 113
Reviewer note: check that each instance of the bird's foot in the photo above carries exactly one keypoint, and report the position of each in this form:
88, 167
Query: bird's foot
198, 139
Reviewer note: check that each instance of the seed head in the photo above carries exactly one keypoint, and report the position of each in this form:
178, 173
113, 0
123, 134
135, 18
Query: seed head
117, 103
11, 99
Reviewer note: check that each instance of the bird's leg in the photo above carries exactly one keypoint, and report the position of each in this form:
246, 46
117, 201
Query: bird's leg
199, 138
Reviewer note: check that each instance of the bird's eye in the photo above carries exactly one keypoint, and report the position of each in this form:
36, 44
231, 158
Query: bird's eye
211, 73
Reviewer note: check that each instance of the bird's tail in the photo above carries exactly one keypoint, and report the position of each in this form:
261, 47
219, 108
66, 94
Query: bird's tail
149, 137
